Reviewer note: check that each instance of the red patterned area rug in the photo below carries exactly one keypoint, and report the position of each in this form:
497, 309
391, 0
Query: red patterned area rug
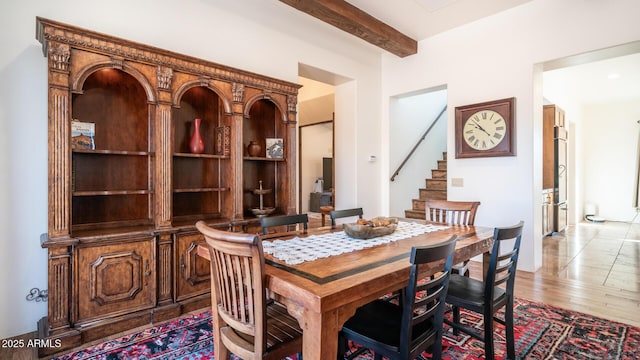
542, 332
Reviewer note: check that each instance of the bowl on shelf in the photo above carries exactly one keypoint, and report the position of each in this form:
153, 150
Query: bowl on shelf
367, 229
262, 212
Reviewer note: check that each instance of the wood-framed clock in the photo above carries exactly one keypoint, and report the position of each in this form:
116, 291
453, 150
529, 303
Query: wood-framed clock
486, 129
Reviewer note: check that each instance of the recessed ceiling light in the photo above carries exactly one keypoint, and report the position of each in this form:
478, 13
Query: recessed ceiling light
613, 76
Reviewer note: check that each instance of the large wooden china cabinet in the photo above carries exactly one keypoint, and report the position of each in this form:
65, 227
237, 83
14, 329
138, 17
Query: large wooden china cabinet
125, 195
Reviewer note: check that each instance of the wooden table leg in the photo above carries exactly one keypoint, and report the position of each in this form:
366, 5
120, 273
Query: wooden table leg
320, 341
319, 330
486, 260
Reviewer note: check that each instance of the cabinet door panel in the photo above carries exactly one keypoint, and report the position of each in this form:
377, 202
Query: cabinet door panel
193, 271
114, 279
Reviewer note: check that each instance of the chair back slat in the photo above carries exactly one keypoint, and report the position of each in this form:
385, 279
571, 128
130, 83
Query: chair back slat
506, 255
288, 220
451, 212
336, 214
501, 279
427, 304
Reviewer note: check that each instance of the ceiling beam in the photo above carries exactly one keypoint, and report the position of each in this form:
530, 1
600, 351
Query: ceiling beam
349, 18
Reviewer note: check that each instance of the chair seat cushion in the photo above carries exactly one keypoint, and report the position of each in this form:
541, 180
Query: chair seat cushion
464, 290
380, 321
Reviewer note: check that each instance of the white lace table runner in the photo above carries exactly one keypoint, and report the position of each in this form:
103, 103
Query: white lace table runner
313, 247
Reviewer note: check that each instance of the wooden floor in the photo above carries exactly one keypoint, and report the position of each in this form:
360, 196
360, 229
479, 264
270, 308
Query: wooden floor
592, 268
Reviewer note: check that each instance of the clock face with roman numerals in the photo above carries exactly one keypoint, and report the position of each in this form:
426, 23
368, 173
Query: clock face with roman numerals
484, 130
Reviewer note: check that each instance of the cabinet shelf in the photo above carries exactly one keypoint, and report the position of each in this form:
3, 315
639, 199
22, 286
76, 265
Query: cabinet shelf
202, 156
111, 232
260, 158
197, 190
112, 152
111, 192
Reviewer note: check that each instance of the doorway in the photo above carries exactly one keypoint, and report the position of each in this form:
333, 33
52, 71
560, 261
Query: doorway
601, 98
413, 113
316, 166
316, 139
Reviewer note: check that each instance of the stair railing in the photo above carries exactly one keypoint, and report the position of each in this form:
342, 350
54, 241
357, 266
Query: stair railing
418, 143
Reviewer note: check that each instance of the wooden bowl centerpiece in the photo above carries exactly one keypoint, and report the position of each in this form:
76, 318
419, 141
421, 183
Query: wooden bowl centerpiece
367, 229
262, 212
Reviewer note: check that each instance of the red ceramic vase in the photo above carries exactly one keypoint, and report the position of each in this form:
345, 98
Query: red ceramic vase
196, 145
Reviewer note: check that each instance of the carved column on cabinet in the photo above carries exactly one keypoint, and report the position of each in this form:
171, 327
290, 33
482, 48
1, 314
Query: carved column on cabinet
165, 269
164, 148
238, 150
59, 140
60, 179
59, 292
292, 102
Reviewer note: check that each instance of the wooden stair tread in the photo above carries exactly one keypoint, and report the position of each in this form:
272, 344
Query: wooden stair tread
415, 214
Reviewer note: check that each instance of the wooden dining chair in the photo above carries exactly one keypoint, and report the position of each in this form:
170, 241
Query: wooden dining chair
453, 213
488, 296
344, 213
244, 323
288, 220
403, 332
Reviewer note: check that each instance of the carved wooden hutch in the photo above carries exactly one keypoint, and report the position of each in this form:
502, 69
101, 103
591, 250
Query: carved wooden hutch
121, 238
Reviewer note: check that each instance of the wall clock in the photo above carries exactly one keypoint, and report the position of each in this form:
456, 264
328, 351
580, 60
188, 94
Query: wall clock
486, 129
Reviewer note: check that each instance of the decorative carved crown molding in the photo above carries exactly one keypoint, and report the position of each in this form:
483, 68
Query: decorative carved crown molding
51, 32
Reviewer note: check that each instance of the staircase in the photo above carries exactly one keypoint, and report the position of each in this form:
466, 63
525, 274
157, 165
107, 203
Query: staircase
436, 189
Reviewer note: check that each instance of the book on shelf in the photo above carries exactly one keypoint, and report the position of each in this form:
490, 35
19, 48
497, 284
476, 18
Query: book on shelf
223, 140
82, 135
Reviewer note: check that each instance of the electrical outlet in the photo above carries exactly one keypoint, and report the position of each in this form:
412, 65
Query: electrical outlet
457, 182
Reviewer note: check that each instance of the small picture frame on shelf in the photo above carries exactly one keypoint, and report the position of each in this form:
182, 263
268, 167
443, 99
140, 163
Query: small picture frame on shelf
274, 148
82, 135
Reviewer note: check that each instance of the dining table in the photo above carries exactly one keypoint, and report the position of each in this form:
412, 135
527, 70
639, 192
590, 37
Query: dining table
323, 288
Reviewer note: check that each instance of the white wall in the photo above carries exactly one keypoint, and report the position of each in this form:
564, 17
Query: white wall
347, 165
495, 58
410, 116
608, 158
205, 29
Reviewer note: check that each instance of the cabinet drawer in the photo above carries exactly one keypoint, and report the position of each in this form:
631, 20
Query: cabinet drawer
115, 279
